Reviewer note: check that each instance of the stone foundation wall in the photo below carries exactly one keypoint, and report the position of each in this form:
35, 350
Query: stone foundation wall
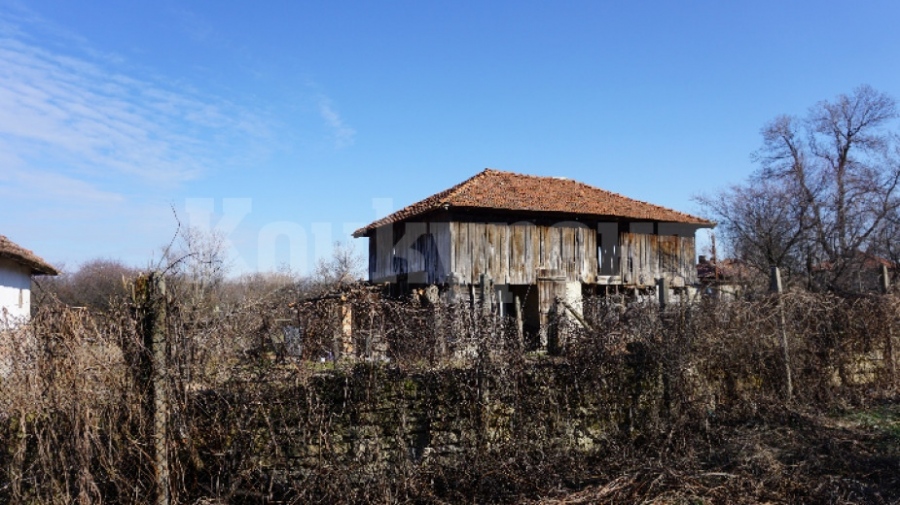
377, 420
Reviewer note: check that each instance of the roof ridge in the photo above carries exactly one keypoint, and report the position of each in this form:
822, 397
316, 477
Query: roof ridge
452, 191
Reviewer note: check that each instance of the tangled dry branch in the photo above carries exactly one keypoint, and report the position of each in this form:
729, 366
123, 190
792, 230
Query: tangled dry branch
276, 401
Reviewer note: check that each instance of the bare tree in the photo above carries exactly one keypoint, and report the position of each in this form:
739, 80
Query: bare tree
343, 267
762, 225
97, 284
826, 188
198, 262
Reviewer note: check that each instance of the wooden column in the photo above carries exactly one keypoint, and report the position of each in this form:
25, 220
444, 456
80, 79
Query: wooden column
485, 290
343, 329
551, 285
520, 325
556, 341
663, 291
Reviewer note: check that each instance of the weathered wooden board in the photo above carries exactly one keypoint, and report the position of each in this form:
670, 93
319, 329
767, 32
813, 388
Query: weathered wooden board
409, 258
517, 258
381, 254
648, 258
480, 249
551, 284
420, 250
491, 250
440, 268
553, 241
532, 253
511, 253
586, 262
503, 255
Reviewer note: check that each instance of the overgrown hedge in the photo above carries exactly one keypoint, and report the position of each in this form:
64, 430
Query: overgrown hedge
488, 423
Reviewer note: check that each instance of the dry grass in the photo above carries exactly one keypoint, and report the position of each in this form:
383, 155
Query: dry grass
780, 457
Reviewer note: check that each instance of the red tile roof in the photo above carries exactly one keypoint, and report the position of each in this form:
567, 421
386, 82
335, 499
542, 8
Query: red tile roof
12, 251
725, 271
498, 190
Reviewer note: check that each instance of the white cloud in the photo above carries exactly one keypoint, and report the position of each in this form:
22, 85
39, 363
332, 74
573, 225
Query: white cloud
94, 147
343, 135
95, 120
16, 183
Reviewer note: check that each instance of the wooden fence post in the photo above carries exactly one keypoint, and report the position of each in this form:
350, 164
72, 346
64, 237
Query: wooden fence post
775, 287
150, 293
889, 343
160, 390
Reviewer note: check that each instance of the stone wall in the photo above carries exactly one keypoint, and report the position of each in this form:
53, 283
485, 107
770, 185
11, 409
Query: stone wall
375, 421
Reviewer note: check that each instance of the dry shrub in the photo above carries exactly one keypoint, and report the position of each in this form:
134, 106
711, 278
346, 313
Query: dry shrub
441, 404
72, 421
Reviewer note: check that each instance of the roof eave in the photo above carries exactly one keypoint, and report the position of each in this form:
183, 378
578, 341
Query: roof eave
367, 230
36, 267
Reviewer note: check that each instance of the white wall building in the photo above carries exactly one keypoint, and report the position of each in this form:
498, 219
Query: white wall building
17, 266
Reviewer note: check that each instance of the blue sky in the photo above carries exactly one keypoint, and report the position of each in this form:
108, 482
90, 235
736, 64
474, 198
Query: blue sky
287, 124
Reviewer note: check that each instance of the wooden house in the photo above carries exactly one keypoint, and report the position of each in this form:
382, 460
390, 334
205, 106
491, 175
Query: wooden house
536, 238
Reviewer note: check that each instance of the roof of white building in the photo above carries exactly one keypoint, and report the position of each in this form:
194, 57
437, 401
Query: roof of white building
12, 251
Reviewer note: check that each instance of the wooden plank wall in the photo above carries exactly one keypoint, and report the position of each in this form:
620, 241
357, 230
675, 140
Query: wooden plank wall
646, 258
512, 253
381, 245
419, 250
